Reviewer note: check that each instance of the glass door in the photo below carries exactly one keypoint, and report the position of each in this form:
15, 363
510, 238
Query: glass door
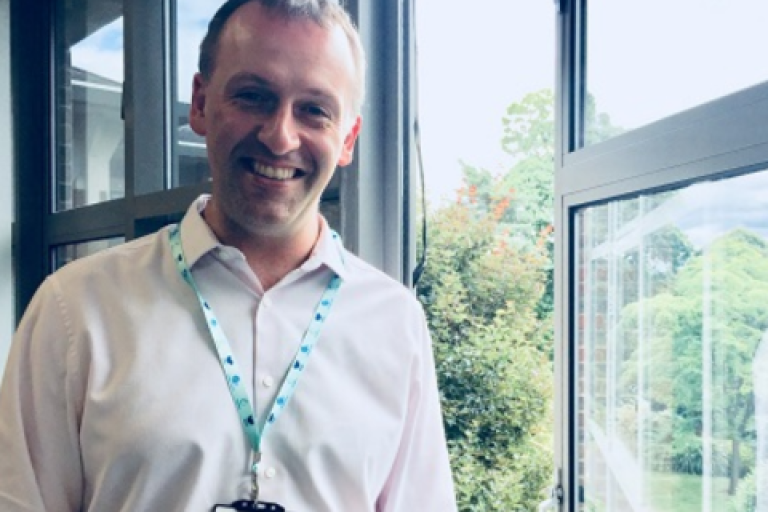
662, 258
672, 344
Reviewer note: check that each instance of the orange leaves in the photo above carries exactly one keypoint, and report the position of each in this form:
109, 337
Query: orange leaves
544, 235
501, 208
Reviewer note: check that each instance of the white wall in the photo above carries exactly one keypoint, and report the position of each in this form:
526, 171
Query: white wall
6, 187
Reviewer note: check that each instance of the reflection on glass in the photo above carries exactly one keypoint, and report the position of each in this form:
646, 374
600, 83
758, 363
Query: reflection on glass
671, 359
651, 59
88, 62
63, 254
192, 17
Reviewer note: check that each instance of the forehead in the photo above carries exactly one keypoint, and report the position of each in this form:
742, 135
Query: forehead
285, 51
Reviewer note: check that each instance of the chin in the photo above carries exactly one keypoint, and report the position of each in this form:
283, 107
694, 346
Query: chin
265, 225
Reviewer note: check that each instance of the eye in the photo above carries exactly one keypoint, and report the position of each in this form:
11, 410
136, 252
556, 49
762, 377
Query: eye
256, 98
314, 110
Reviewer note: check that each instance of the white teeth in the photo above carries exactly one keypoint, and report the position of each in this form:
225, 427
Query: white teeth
275, 173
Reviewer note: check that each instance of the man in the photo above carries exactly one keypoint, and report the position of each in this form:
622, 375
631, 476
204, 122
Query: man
244, 355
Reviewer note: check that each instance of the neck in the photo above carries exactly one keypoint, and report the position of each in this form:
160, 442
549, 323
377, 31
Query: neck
271, 257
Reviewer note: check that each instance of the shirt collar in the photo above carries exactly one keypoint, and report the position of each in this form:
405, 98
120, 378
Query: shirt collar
198, 239
328, 251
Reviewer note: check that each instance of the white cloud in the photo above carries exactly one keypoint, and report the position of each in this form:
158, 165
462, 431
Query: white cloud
102, 52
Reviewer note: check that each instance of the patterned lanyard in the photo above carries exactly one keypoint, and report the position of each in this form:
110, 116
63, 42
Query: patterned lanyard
230, 367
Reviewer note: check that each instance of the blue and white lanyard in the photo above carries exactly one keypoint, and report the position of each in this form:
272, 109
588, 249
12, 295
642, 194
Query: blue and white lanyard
230, 367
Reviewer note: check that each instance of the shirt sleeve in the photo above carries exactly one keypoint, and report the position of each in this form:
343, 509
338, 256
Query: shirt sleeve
421, 476
40, 467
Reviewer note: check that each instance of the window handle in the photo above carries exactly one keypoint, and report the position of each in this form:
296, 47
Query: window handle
555, 495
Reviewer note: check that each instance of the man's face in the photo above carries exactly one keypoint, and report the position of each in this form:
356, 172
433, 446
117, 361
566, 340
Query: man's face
277, 114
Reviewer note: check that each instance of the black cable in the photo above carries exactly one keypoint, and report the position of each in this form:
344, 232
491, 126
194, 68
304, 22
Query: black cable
419, 269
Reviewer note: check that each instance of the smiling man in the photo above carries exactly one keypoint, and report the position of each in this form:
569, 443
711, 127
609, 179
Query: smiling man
279, 113
242, 359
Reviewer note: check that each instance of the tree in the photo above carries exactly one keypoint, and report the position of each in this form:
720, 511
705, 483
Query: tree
488, 293
480, 296
523, 196
737, 276
719, 295
525, 192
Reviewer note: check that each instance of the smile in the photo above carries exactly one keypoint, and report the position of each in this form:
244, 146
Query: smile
276, 173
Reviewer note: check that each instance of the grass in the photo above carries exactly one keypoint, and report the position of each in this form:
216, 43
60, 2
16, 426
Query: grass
676, 492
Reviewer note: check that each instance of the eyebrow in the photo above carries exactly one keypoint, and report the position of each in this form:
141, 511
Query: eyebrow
246, 78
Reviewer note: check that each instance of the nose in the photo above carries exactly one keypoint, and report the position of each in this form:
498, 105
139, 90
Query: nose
279, 131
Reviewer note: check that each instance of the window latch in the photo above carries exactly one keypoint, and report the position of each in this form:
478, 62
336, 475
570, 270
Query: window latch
556, 495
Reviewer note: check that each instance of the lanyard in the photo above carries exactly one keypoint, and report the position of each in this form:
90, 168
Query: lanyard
231, 371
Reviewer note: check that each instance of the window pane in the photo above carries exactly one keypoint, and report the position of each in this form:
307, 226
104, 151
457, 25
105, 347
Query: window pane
63, 254
648, 60
485, 112
192, 17
88, 62
672, 349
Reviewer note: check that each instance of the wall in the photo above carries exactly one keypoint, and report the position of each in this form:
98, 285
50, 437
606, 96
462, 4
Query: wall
6, 187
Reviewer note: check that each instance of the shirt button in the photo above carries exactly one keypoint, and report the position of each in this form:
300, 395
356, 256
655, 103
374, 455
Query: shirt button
268, 381
266, 302
270, 473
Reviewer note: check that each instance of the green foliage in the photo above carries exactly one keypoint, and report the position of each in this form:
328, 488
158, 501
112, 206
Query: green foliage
526, 190
496, 382
688, 455
488, 293
745, 499
521, 199
713, 308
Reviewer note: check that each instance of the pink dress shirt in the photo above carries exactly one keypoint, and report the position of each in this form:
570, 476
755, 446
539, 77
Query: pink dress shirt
113, 398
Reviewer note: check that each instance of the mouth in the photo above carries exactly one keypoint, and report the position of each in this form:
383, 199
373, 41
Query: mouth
275, 173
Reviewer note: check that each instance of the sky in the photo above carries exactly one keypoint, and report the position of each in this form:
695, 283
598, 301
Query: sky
473, 63
649, 59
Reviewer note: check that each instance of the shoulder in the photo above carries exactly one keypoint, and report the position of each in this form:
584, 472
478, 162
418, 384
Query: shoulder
137, 271
362, 276
376, 303
127, 260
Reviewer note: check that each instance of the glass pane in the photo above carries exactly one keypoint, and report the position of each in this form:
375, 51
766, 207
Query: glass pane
648, 60
90, 165
192, 17
672, 350
487, 141
63, 254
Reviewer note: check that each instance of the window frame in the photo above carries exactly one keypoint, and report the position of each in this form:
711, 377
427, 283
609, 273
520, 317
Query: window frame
724, 137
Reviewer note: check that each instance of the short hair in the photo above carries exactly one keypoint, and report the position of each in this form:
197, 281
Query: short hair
326, 13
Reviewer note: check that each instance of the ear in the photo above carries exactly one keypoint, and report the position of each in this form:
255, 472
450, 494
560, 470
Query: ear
349, 142
197, 106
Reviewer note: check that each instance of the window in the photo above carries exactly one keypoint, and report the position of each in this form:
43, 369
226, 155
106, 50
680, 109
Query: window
90, 144
192, 17
63, 254
661, 259
671, 323
649, 60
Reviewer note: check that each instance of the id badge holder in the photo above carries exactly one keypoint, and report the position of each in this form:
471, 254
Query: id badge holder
248, 506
